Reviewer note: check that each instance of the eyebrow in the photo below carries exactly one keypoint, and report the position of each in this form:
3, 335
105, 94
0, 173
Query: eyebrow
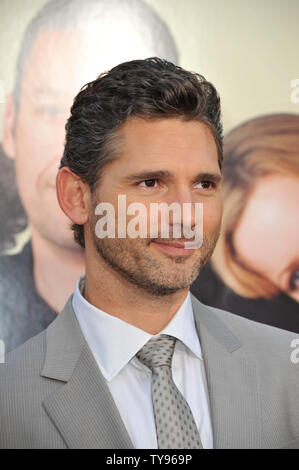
155, 174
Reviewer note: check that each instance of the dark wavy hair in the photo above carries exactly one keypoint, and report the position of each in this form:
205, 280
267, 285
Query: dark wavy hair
151, 89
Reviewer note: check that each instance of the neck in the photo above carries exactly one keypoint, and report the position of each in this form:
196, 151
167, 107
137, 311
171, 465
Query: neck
55, 270
109, 291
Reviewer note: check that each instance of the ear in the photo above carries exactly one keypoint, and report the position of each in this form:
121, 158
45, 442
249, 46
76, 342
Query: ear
73, 196
8, 138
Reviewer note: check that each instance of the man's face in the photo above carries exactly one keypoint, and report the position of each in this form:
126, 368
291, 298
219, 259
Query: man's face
59, 64
166, 161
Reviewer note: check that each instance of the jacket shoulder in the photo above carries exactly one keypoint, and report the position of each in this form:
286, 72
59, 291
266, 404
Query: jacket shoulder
27, 357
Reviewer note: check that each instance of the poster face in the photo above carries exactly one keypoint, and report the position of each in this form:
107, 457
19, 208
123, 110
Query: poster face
49, 50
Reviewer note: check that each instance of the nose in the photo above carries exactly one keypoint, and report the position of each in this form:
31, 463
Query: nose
185, 210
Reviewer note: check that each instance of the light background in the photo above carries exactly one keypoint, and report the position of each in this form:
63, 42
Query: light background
248, 49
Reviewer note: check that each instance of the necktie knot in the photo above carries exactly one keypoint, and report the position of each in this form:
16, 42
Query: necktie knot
157, 351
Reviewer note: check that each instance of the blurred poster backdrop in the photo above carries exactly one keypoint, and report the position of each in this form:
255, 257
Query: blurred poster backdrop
248, 50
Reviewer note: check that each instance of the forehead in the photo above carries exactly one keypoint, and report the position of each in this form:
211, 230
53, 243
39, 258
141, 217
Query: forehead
267, 233
54, 59
68, 59
165, 143
273, 204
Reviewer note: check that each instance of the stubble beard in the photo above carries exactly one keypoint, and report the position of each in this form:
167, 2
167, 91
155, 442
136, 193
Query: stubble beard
141, 268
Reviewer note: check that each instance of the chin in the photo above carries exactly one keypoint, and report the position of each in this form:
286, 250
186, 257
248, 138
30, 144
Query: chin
161, 290
173, 284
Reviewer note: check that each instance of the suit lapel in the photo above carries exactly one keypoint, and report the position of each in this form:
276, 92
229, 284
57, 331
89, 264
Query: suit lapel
82, 409
232, 380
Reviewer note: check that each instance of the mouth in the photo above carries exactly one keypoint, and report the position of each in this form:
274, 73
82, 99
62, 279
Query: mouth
175, 248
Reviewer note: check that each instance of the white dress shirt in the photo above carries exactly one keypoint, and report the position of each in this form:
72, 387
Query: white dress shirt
114, 344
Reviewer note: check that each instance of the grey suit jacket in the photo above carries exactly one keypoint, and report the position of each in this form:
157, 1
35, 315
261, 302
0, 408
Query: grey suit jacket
52, 393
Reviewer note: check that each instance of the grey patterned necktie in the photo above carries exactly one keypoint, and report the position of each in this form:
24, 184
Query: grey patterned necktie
175, 425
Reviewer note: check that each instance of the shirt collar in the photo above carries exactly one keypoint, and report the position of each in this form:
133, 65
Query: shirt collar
115, 342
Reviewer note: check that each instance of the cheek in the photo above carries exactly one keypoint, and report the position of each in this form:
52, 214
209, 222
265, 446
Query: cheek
28, 165
31, 148
39, 147
39, 137
212, 214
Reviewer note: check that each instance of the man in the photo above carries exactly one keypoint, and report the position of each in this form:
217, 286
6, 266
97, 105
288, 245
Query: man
65, 45
134, 360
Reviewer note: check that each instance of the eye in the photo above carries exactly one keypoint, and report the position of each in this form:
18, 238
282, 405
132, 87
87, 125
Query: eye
206, 185
294, 280
51, 111
148, 183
